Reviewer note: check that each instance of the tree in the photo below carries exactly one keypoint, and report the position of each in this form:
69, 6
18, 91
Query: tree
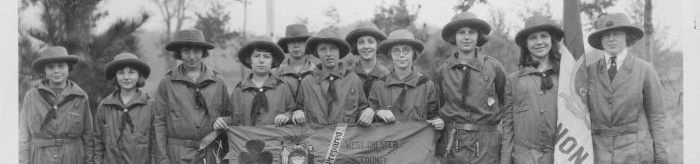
593, 10
68, 23
395, 17
174, 13
465, 5
213, 24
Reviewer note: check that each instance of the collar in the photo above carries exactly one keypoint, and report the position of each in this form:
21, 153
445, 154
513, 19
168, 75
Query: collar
620, 57
377, 71
71, 88
524, 71
474, 63
286, 69
178, 74
270, 83
411, 80
113, 99
322, 74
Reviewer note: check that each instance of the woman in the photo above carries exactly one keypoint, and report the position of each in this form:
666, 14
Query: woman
55, 121
534, 89
260, 98
124, 119
404, 94
363, 42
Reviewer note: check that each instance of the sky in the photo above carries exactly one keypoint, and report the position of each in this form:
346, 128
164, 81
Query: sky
435, 13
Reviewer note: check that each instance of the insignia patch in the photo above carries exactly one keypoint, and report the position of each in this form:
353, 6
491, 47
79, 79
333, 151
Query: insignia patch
491, 101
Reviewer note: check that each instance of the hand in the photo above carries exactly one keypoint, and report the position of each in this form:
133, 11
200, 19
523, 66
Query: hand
438, 123
281, 119
298, 117
386, 115
366, 117
220, 123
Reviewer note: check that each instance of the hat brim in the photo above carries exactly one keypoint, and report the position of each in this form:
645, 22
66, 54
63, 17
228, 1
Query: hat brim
140, 66
386, 45
314, 41
352, 37
555, 31
449, 30
595, 38
247, 50
38, 64
286, 40
174, 45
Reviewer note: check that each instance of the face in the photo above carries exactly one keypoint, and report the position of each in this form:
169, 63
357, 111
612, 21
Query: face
261, 61
367, 47
127, 78
614, 41
296, 49
191, 56
329, 54
539, 44
466, 38
402, 56
57, 73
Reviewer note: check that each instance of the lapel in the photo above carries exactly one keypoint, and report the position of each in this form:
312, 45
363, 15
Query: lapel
603, 77
624, 73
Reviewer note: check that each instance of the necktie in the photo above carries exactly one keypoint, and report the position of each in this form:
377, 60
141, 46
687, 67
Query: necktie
259, 104
465, 79
199, 100
331, 91
402, 96
546, 79
613, 68
125, 121
367, 85
49, 98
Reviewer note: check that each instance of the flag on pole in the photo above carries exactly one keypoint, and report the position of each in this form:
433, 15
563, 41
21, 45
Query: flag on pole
573, 137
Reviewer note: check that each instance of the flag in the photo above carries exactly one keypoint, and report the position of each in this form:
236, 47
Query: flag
400, 143
573, 135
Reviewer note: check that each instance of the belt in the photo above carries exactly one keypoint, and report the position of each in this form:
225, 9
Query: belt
53, 142
185, 143
614, 131
472, 127
544, 149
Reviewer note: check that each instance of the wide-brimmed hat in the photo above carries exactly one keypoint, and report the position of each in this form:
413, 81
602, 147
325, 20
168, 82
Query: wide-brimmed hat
616, 21
397, 37
53, 54
188, 37
126, 59
537, 24
327, 36
264, 43
465, 19
363, 29
293, 33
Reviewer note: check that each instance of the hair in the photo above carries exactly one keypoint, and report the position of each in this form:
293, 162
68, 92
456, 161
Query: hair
140, 82
554, 55
481, 38
249, 59
630, 39
415, 52
178, 54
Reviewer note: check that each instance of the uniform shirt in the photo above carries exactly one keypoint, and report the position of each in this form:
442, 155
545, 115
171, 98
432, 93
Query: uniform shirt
349, 99
279, 101
73, 122
132, 145
618, 61
369, 77
420, 101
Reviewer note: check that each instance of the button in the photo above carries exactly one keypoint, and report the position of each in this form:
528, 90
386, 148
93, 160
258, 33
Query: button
55, 156
331, 78
125, 110
541, 93
464, 68
261, 89
541, 111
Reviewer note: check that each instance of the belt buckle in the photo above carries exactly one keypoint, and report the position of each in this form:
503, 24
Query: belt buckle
190, 143
57, 142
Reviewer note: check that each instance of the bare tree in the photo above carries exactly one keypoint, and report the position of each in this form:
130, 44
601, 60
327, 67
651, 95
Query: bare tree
174, 14
465, 5
649, 32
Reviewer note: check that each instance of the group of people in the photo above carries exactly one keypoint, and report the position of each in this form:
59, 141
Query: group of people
470, 97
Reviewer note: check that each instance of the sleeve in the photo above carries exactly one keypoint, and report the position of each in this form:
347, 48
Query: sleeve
225, 109
160, 123
152, 145
432, 104
236, 116
88, 127
656, 114
289, 103
98, 134
507, 124
24, 133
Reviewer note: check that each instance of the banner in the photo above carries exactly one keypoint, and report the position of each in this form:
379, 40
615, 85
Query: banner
573, 137
398, 143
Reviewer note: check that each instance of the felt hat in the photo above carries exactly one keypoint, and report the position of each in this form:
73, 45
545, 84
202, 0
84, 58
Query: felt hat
465, 19
264, 43
537, 24
293, 33
616, 21
53, 54
363, 29
188, 37
126, 59
397, 37
327, 36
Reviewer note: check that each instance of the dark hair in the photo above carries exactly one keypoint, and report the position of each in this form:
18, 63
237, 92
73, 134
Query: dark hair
178, 55
631, 39
140, 82
554, 56
481, 38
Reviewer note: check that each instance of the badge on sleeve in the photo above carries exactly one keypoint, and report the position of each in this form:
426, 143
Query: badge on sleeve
491, 101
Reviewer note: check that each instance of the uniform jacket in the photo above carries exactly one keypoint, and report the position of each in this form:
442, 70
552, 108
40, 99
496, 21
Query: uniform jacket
627, 114
65, 139
420, 101
128, 146
313, 98
178, 116
291, 77
534, 117
482, 106
369, 77
279, 101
